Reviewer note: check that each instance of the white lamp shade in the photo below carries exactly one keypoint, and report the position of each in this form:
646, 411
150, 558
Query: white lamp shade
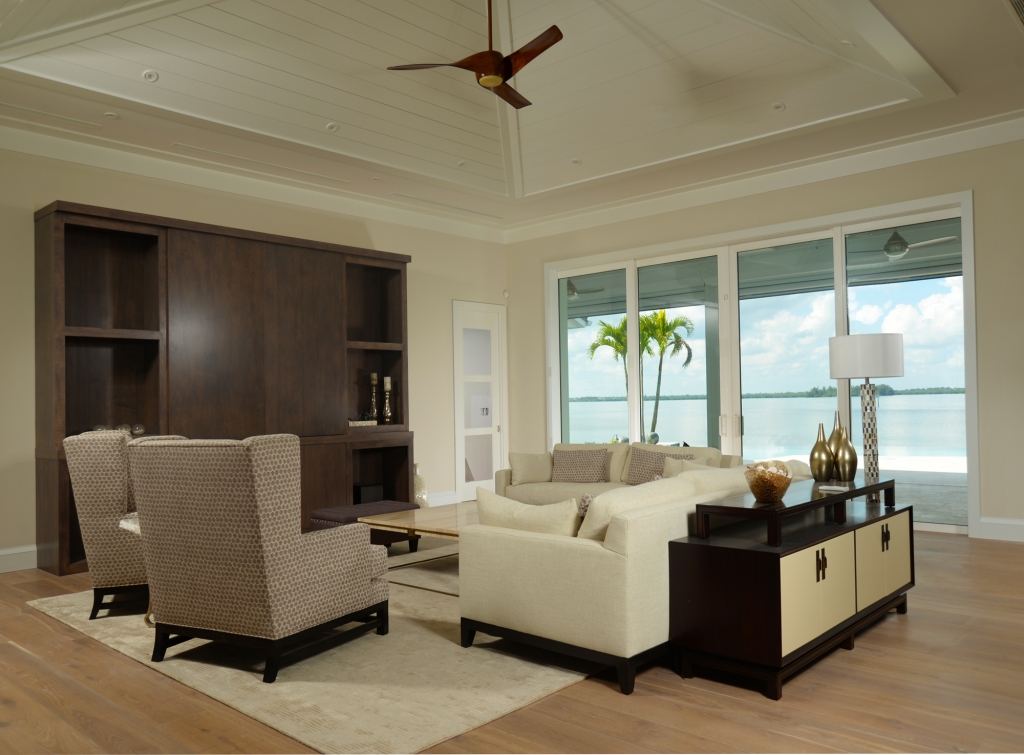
871, 355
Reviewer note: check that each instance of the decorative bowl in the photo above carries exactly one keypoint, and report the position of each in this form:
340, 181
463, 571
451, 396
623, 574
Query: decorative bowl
768, 480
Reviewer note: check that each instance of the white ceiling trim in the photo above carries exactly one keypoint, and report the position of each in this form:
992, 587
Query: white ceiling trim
106, 23
171, 168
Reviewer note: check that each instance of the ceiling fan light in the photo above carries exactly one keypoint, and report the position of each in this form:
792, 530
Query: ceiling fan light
896, 247
490, 81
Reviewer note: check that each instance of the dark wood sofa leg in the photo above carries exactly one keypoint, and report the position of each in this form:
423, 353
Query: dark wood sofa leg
414, 544
272, 666
382, 616
468, 634
627, 676
160, 645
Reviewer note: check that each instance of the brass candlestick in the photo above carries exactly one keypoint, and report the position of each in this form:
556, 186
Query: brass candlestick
373, 396
387, 400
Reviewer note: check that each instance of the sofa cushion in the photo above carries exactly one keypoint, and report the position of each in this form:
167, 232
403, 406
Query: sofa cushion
554, 519
616, 460
731, 481
607, 505
675, 467
579, 466
530, 467
711, 457
542, 493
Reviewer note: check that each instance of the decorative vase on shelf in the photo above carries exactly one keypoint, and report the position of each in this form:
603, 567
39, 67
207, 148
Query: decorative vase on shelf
833, 439
822, 461
387, 400
846, 458
373, 396
419, 487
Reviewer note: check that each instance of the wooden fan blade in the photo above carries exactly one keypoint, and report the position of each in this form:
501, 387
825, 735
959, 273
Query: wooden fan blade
511, 96
486, 63
418, 66
531, 50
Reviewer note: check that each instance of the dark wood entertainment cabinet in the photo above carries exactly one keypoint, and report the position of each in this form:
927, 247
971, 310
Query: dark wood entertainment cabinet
745, 606
211, 332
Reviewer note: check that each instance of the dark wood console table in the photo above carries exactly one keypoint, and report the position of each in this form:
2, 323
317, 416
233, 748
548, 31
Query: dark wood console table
803, 497
741, 604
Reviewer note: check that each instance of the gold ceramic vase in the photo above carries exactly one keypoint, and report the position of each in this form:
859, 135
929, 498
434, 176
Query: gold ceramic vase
833, 439
846, 458
822, 461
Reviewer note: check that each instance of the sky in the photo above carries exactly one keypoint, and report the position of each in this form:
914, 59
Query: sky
784, 341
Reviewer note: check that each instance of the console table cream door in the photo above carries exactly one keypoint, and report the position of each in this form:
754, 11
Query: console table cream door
481, 432
883, 558
818, 590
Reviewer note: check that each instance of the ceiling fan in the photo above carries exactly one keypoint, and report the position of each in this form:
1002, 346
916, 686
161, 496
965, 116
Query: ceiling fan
573, 293
897, 247
492, 69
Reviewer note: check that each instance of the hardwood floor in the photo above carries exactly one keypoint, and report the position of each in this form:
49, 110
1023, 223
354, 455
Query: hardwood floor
949, 677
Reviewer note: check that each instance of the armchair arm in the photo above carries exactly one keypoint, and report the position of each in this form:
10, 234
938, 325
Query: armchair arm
728, 462
502, 479
564, 588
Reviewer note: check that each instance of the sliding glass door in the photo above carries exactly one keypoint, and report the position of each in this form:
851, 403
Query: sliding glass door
909, 280
786, 316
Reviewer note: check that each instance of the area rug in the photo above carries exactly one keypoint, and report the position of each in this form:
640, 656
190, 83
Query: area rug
439, 574
402, 692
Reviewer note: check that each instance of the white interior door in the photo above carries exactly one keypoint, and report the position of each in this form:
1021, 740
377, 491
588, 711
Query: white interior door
480, 396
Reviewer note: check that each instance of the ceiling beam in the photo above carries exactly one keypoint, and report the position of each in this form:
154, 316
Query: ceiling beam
104, 23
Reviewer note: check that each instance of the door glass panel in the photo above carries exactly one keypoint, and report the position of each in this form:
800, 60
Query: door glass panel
477, 404
909, 280
679, 352
479, 464
476, 351
787, 315
592, 334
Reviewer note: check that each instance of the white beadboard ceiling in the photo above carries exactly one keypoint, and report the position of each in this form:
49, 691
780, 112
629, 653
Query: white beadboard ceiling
299, 87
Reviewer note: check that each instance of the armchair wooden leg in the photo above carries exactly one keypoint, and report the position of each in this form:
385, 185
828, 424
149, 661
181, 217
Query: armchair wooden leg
382, 616
627, 676
468, 634
272, 666
97, 603
160, 645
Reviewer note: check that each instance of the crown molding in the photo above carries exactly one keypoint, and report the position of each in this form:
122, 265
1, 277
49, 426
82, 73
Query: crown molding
163, 167
252, 183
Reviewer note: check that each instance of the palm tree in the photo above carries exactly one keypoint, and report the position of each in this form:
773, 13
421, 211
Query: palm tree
663, 333
614, 337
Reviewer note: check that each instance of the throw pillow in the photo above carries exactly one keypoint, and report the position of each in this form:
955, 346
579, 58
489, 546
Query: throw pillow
645, 466
584, 504
530, 467
553, 518
607, 505
616, 461
579, 466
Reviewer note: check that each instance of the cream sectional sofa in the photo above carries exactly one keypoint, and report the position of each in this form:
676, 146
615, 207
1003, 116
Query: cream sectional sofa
544, 492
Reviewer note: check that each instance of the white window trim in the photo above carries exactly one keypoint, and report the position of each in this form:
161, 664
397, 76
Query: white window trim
726, 246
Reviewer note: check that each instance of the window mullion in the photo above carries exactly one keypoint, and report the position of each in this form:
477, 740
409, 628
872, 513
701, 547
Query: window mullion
634, 389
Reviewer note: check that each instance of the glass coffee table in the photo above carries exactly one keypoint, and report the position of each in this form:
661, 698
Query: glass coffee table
438, 521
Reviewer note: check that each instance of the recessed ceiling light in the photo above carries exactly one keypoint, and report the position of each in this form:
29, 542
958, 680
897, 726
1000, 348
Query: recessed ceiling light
779, 106
577, 161
848, 42
111, 116
150, 76
332, 127
462, 163
374, 178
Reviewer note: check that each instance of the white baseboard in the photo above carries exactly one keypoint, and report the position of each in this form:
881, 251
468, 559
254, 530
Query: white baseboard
17, 559
948, 529
443, 498
998, 528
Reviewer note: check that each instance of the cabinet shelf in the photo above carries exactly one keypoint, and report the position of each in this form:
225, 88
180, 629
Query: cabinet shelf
123, 334
374, 346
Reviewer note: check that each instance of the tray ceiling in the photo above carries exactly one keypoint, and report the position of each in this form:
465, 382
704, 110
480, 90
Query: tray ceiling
633, 84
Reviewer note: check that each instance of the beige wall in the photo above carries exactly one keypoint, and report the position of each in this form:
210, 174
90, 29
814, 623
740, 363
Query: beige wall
443, 268
995, 174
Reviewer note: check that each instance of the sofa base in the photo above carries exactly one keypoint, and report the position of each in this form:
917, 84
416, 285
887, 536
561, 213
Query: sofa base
138, 594
282, 651
624, 667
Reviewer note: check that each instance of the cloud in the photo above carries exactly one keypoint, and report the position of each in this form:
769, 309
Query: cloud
868, 314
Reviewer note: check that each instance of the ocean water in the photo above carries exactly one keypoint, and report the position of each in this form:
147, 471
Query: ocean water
925, 426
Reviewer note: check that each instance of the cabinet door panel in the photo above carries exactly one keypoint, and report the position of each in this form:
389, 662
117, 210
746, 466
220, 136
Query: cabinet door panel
870, 565
839, 587
897, 557
800, 596
215, 335
305, 341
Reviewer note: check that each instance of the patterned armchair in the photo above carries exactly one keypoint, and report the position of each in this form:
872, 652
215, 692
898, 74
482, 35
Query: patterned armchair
98, 467
226, 559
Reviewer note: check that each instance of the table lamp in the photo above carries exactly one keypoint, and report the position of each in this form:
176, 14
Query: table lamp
867, 356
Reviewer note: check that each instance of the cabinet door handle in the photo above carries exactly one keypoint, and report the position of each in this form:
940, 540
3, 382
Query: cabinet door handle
817, 566
824, 564
882, 529
888, 537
